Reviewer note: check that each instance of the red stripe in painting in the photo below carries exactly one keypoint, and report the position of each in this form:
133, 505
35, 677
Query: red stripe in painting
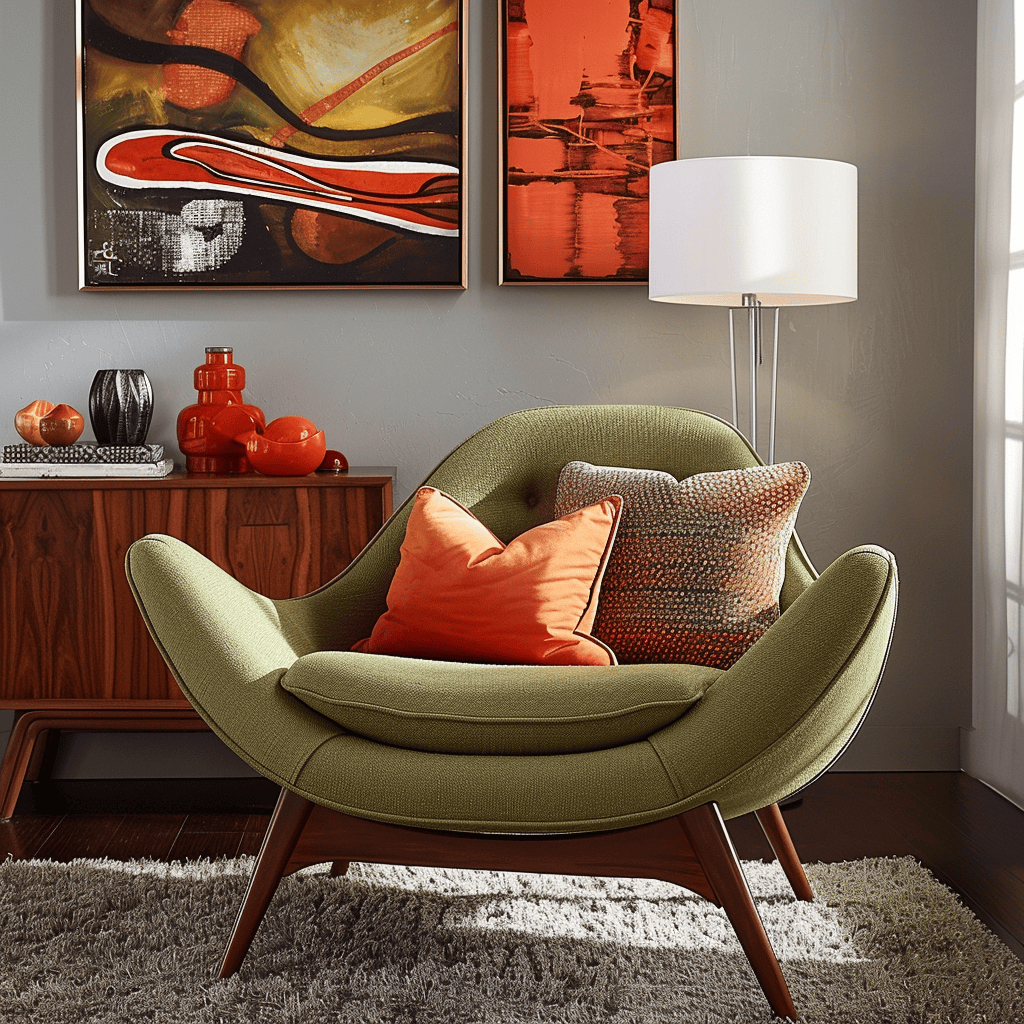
313, 114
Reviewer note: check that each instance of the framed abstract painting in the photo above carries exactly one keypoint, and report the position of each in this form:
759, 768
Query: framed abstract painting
587, 96
272, 144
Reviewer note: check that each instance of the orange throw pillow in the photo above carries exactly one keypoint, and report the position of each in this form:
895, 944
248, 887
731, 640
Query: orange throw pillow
460, 594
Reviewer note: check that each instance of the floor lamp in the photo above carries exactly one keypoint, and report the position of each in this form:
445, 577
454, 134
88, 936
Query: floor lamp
753, 233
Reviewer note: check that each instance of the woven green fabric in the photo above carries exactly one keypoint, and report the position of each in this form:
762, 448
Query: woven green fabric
790, 705
485, 709
761, 730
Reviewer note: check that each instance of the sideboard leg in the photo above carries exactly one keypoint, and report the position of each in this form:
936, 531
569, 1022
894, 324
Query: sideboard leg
44, 755
32, 726
27, 727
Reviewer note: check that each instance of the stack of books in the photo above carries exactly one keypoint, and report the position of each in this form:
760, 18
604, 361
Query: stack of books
84, 460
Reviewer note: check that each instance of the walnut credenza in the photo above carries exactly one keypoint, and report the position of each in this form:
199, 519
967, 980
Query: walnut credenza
74, 651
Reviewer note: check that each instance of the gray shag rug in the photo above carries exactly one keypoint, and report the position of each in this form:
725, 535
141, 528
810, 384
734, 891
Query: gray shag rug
124, 942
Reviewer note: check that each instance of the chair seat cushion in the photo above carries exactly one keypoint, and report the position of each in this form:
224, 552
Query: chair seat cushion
457, 708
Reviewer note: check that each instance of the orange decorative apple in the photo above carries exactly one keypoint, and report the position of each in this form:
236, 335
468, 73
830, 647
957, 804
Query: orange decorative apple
26, 421
61, 426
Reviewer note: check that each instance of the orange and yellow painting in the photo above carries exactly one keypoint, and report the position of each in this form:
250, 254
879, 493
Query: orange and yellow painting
272, 143
589, 107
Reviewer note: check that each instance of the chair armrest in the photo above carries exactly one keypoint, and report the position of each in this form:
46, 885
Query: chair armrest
227, 647
786, 709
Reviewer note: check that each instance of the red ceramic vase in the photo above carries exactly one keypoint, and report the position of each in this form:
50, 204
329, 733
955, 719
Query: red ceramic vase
208, 432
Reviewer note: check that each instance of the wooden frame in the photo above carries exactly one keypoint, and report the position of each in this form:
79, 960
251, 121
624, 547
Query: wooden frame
583, 116
692, 850
220, 148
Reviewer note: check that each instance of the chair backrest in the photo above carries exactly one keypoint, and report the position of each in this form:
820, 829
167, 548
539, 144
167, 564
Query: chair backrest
507, 474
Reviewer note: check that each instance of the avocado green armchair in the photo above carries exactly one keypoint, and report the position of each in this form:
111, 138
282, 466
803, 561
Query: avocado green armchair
653, 806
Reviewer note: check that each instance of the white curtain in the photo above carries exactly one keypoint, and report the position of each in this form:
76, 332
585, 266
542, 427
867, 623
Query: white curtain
994, 750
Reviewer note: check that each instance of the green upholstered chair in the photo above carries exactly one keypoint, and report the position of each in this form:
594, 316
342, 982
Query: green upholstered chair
651, 806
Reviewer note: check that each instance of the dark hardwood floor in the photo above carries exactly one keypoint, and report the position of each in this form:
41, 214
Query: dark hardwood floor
971, 838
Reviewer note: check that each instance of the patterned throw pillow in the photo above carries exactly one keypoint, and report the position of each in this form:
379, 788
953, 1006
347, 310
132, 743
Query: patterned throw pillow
698, 564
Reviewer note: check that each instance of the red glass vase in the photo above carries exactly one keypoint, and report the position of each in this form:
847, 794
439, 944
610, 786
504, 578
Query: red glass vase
208, 431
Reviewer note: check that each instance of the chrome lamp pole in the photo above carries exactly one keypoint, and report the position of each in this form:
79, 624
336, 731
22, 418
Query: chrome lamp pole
755, 313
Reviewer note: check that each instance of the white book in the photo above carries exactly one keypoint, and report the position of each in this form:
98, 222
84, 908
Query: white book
88, 470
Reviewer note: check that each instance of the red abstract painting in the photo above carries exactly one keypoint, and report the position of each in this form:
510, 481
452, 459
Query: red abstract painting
261, 143
588, 102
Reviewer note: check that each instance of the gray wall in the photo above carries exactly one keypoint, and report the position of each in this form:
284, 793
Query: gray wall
875, 396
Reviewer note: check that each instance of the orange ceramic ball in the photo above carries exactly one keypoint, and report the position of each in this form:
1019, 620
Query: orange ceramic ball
289, 429
26, 421
61, 426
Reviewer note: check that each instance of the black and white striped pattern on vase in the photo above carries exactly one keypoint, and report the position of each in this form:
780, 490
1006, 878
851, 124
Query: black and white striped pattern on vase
121, 406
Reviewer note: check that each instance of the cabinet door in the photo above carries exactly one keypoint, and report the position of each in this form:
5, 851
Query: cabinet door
71, 628
55, 596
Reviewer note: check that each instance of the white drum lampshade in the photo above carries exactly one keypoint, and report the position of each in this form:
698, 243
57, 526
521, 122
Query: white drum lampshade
781, 228
752, 232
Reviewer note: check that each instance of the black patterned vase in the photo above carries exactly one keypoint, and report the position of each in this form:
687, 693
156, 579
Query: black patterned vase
120, 406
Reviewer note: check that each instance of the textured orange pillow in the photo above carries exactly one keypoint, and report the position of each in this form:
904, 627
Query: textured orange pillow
459, 594
698, 563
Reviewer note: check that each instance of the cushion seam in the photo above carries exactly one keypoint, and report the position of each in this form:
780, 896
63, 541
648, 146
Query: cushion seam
665, 768
484, 720
309, 757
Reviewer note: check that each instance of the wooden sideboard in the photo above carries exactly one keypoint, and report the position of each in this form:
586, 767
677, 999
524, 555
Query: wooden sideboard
75, 654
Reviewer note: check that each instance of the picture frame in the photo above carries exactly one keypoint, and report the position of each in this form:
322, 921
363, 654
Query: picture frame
587, 98
250, 144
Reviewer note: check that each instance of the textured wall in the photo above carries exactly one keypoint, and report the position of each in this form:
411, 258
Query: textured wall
875, 396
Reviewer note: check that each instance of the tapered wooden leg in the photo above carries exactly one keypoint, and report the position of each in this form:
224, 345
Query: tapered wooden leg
286, 824
338, 868
15, 763
44, 753
711, 843
778, 835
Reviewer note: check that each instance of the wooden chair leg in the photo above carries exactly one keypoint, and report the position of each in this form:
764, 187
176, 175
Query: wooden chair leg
339, 868
711, 843
286, 825
778, 835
